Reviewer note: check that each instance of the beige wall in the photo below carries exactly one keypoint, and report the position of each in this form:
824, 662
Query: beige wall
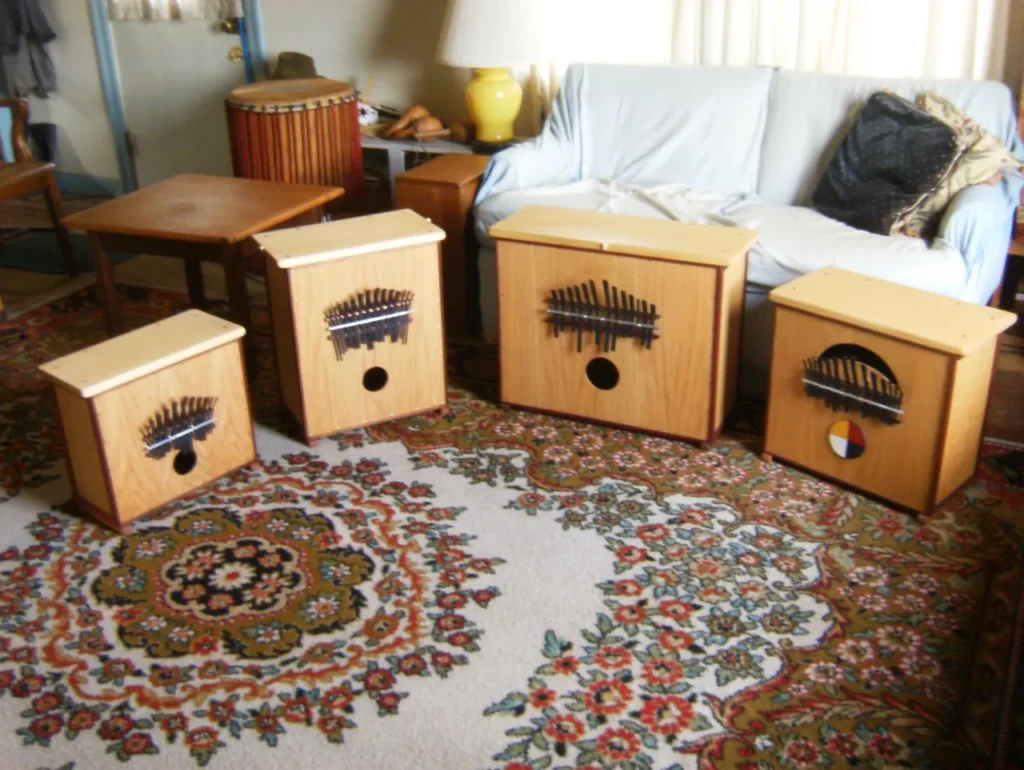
85, 145
393, 41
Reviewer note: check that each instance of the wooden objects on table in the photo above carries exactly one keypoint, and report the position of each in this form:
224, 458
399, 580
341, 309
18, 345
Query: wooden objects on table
153, 414
356, 310
23, 176
199, 219
304, 130
624, 320
442, 190
880, 386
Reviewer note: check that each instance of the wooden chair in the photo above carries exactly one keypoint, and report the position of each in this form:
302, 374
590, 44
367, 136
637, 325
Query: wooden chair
25, 176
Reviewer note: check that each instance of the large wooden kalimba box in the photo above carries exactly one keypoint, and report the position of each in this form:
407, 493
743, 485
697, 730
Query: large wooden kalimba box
153, 414
880, 386
358, 327
619, 319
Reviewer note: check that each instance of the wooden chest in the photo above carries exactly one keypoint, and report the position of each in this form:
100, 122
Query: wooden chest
880, 386
624, 320
357, 317
153, 414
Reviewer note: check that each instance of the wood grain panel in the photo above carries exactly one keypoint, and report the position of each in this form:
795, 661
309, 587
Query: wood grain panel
85, 459
665, 389
972, 377
141, 483
334, 398
730, 329
899, 461
282, 321
897, 311
157, 346
447, 206
624, 234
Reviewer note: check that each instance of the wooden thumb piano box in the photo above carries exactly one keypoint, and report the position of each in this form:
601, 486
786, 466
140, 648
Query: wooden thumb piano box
357, 319
880, 386
153, 414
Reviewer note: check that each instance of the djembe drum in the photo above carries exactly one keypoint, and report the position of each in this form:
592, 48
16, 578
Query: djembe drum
304, 130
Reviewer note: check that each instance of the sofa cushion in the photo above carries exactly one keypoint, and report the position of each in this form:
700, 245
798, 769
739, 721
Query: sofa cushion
811, 113
650, 125
794, 240
894, 157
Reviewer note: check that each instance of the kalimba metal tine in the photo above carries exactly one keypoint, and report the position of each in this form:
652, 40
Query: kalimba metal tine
615, 316
590, 323
580, 322
609, 320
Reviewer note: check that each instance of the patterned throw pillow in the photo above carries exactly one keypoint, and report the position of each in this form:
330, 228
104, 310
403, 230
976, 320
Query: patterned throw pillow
894, 156
982, 162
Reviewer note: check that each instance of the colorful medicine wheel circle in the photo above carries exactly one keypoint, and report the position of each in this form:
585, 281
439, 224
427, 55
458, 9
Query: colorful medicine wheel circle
847, 439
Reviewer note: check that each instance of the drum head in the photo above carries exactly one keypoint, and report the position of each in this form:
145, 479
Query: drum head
273, 94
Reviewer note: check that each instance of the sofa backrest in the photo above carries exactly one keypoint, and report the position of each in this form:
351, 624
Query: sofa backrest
810, 114
650, 125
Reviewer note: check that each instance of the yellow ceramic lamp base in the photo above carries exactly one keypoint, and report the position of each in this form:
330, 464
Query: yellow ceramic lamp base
494, 99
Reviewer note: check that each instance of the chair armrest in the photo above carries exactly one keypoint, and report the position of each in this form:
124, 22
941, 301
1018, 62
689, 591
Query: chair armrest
19, 123
979, 223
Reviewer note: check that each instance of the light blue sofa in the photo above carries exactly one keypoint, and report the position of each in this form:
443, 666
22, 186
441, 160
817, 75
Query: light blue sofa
745, 146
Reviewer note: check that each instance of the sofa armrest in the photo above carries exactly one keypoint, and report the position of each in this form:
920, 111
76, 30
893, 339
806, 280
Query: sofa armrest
978, 222
541, 162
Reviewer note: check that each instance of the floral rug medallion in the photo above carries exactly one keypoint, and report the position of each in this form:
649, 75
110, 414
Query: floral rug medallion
485, 588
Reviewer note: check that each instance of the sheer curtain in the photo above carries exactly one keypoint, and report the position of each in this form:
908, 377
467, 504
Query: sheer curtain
173, 10
896, 38
972, 39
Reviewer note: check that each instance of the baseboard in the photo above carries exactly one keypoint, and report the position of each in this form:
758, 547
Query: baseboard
86, 184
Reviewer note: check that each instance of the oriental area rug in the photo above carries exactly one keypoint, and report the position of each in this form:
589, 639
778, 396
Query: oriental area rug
485, 588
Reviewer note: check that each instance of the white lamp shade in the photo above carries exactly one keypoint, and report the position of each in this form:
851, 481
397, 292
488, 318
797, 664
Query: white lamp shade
492, 33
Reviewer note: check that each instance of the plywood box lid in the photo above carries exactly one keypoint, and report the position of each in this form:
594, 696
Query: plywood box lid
901, 312
622, 234
127, 357
312, 244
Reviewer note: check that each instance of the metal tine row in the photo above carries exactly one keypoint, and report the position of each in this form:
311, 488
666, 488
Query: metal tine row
853, 386
579, 309
370, 317
191, 416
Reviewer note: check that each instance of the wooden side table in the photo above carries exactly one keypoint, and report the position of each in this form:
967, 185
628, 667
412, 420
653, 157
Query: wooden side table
199, 219
443, 190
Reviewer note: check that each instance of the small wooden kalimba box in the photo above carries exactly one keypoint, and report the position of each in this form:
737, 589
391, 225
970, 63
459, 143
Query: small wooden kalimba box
153, 414
358, 328
619, 319
880, 386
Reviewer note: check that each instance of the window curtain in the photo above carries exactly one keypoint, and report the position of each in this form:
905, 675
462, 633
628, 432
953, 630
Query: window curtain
973, 39
173, 10
888, 38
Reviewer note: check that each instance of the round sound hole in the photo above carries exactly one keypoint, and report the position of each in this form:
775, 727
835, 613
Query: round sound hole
184, 462
375, 379
603, 374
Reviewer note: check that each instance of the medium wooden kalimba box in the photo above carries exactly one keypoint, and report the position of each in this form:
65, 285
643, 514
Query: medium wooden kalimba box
358, 327
153, 414
880, 386
619, 319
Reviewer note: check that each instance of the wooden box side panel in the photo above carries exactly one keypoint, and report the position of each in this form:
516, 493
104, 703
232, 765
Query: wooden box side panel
85, 459
971, 379
284, 337
730, 330
446, 206
141, 483
666, 389
899, 461
332, 389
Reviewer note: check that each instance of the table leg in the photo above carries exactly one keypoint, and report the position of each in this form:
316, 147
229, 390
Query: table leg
194, 279
238, 303
105, 285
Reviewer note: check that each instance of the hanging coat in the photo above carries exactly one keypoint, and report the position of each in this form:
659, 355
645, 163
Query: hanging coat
24, 31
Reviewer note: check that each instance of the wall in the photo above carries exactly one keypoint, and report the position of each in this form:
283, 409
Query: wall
394, 41
85, 145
